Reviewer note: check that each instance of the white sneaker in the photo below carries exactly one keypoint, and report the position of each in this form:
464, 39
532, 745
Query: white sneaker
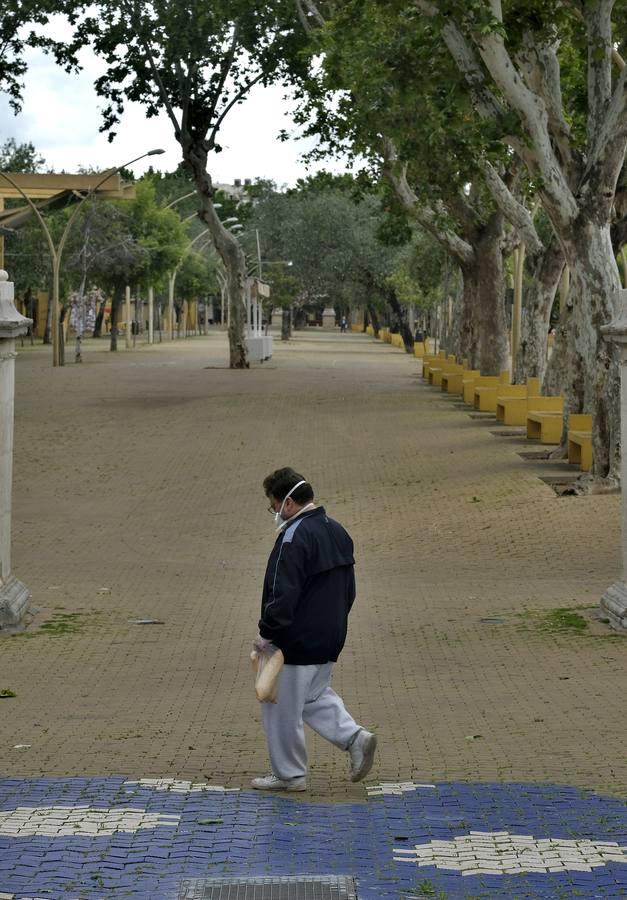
362, 754
272, 783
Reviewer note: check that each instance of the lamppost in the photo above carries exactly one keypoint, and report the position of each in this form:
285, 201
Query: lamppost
172, 277
57, 252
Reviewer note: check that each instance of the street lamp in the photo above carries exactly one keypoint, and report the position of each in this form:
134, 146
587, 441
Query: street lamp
172, 280
57, 252
172, 277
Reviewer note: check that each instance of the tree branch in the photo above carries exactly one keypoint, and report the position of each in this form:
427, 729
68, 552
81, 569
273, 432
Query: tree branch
313, 9
134, 14
240, 94
425, 215
510, 242
540, 67
303, 18
617, 59
467, 62
227, 64
515, 212
534, 116
611, 143
598, 23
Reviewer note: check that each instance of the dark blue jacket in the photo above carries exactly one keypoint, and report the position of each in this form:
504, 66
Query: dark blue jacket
308, 590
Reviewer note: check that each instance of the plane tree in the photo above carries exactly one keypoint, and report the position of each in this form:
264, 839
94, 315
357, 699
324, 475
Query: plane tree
196, 61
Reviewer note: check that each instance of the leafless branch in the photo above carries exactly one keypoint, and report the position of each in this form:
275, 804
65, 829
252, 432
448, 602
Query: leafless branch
303, 18
239, 96
313, 9
227, 64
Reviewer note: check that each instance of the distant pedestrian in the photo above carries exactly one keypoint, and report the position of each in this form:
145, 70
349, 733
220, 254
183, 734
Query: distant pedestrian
308, 591
343, 324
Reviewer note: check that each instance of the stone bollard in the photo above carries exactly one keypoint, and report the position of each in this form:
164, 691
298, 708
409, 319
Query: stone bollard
14, 596
614, 600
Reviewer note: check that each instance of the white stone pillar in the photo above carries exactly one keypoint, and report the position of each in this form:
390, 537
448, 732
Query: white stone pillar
328, 318
614, 600
14, 596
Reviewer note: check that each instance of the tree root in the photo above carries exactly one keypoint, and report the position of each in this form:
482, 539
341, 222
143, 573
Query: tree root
588, 484
560, 452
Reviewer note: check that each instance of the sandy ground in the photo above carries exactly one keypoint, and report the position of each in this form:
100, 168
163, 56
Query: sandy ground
138, 494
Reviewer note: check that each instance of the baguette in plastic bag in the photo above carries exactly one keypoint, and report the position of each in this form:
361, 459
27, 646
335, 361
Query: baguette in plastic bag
267, 665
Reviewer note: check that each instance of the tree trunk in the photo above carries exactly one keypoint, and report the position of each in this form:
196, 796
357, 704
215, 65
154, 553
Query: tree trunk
554, 380
399, 317
531, 359
62, 315
592, 372
483, 327
227, 246
47, 339
116, 302
286, 323
455, 335
99, 320
374, 318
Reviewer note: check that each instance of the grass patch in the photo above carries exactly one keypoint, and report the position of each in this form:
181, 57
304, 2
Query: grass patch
62, 623
425, 889
567, 621
563, 621
59, 623
5, 693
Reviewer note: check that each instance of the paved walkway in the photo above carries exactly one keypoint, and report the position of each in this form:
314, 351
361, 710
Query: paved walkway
137, 495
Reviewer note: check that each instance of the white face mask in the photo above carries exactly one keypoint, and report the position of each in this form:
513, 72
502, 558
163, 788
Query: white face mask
279, 521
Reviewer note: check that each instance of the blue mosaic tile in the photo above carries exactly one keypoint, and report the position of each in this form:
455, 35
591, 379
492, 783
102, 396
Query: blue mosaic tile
275, 835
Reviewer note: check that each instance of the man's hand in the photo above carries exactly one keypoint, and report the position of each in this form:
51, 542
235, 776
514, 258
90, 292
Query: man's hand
261, 644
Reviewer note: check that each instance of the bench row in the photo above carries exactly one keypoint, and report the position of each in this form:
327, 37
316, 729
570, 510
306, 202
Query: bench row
513, 404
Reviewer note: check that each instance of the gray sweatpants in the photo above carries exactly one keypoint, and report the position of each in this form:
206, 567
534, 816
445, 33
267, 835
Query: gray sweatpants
305, 696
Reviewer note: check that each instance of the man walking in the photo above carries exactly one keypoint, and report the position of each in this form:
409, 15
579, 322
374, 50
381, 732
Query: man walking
308, 591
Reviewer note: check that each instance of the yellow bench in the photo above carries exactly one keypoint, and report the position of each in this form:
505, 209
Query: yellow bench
580, 440
486, 395
470, 384
452, 382
420, 350
448, 370
397, 341
487, 398
433, 359
544, 421
512, 409
435, 372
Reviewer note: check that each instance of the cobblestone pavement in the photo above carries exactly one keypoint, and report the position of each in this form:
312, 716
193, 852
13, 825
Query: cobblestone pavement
137, 496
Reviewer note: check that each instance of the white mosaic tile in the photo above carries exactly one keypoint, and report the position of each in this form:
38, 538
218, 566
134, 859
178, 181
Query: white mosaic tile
179, 786
27, 821
498, 852
395, 788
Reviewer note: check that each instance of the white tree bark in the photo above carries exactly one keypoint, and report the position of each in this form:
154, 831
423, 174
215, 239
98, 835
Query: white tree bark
577, 191
396, 173
514, 211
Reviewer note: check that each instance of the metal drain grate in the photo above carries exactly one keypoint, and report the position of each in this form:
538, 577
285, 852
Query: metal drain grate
297, 887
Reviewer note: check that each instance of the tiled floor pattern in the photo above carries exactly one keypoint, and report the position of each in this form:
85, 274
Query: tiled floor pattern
65, 839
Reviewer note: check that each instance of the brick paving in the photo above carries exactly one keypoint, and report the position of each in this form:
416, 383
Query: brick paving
137, 495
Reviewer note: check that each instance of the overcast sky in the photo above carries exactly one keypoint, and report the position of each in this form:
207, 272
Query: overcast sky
61, 117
